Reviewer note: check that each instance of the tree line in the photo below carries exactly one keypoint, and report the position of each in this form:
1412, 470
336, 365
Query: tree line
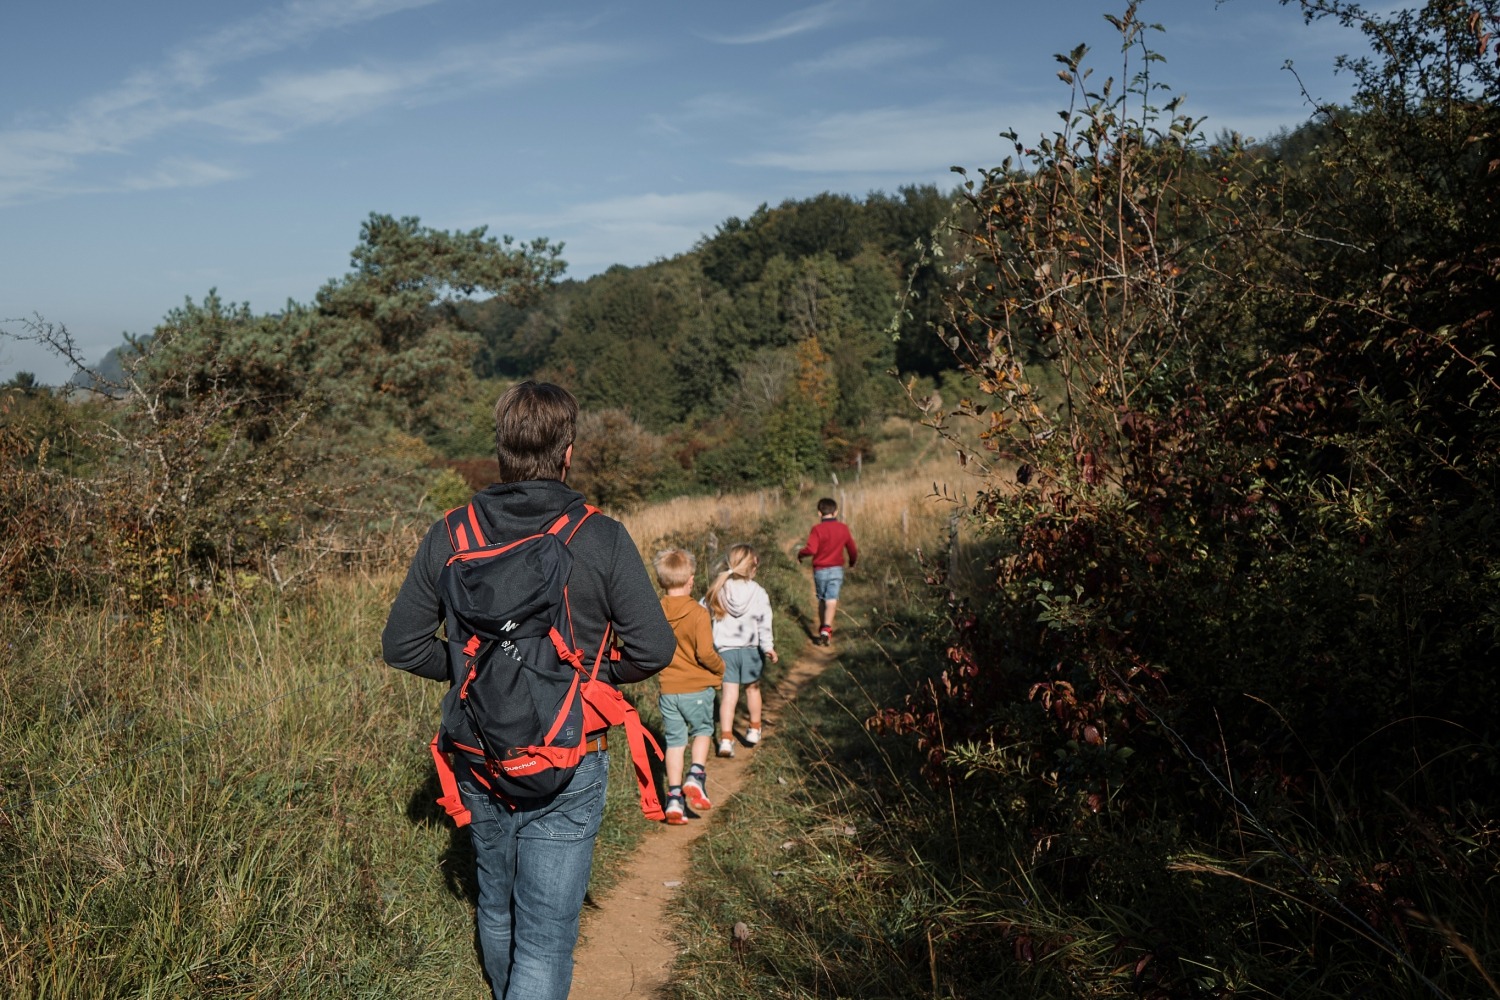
762, 355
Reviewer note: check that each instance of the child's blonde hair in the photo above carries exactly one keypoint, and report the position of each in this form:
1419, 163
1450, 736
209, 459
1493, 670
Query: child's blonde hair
743, 562
674, 568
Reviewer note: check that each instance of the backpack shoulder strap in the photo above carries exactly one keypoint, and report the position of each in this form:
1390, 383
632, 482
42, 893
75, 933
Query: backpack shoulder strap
463, 528
451, 801
465, 534
567, 520
557, 528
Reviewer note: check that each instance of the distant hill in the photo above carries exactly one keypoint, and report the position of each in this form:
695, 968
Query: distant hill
108, 374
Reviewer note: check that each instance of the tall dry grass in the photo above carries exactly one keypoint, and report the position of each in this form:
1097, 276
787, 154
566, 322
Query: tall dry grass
229, 804
237, 801
901, 509
233, 803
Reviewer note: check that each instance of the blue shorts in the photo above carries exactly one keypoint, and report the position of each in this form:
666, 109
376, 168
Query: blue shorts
742, 664
827, 582
684, 716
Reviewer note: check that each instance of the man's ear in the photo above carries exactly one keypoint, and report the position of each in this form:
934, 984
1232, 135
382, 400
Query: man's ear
567, 463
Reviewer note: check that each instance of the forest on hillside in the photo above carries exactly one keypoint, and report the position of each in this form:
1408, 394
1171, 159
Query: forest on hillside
766, 354
1211, 713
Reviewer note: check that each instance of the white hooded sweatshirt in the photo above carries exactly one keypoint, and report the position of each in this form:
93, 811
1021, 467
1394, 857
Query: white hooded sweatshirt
747, 616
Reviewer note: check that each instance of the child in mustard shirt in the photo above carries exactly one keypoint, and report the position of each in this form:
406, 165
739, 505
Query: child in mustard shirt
688, 685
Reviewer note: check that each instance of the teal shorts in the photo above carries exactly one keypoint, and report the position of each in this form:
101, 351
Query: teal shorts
742, 664
684, 716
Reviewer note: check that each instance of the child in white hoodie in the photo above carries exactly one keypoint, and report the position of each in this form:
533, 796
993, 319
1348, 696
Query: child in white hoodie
741, 610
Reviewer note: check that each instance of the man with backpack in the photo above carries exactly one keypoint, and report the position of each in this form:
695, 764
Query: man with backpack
533, 802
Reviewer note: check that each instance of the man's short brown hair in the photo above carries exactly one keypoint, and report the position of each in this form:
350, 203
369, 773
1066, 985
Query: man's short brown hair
534, 424
827, 506
674, 567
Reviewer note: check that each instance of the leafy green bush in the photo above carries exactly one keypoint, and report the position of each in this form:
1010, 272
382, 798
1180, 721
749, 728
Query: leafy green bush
1242, 625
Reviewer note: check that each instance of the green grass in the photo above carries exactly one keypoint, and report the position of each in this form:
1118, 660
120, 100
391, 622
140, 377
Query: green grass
238, 801
235, 807
230, 807
855, 877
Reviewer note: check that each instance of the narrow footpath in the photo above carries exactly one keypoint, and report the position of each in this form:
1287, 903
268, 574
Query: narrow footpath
626, 948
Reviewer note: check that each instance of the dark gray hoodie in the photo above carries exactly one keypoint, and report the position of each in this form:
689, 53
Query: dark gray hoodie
609, 584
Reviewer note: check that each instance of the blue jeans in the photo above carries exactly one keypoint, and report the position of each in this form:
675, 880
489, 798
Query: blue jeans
533, 867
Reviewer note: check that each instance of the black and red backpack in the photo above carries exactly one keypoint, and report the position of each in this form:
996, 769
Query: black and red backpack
522, 699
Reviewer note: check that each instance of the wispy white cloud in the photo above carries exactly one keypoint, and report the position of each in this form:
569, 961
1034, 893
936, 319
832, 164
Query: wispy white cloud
195, 64
35, 162
292, 24
176, 172
796, 23
866, 56
904, 141
286, 103
632, 229
714, 108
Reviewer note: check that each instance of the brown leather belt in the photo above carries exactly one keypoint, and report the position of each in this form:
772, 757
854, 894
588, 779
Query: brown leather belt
600, 742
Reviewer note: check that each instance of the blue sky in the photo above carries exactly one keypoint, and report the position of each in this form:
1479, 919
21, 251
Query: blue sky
152, 151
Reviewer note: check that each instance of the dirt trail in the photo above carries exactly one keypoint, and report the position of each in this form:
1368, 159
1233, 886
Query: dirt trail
626, 944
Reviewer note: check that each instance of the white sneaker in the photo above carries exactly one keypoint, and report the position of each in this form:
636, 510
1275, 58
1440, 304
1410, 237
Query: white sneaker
726, 748
752, 736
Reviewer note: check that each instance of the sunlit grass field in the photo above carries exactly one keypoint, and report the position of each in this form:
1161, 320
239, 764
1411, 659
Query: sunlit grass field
236, 800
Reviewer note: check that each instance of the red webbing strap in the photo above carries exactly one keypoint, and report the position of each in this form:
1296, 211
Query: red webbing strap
479, 542
605, 706
557, 527
589, 510
463, 528
604, 647
612, 707
567, 705
451, 801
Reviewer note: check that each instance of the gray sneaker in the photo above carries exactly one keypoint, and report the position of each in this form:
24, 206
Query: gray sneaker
675, 812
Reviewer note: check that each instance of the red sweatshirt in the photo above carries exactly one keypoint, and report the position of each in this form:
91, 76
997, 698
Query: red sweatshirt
826, 543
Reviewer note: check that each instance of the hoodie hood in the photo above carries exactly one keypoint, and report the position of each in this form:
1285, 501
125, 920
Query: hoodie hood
678, 608
736, 595
513, 510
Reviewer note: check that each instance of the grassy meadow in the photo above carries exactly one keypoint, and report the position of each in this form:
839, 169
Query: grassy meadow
237, 801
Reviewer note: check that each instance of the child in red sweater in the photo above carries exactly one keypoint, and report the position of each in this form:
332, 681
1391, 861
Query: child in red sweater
827, 542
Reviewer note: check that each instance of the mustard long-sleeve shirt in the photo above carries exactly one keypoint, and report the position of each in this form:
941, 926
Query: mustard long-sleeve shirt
695, 664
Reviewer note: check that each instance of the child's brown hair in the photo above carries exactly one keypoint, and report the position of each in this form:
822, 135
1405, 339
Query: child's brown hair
828, 506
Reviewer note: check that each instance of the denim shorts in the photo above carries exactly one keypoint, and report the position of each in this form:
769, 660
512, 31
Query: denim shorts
684, 716
827, 582
742, 664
